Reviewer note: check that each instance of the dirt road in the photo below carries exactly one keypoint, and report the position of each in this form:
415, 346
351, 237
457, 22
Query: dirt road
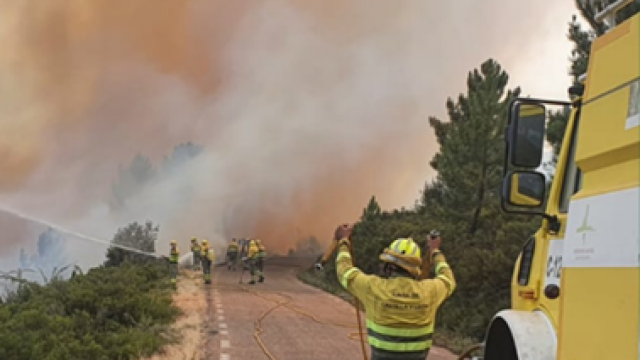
280, 319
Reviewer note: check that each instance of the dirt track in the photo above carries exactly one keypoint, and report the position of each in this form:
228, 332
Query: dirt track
280, 319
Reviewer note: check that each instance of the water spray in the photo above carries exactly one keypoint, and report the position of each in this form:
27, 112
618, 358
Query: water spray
76, 234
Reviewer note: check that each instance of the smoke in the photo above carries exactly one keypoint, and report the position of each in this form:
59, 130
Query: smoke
305, 109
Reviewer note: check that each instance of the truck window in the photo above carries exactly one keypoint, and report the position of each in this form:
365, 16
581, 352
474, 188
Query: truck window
572, 181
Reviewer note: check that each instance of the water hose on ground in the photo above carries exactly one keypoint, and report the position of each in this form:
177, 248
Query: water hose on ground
258, 326
286, 304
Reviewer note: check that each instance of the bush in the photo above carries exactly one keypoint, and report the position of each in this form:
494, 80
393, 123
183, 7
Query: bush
133, 236
119, 312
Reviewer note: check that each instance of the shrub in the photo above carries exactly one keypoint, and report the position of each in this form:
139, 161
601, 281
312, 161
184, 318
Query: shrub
119, 312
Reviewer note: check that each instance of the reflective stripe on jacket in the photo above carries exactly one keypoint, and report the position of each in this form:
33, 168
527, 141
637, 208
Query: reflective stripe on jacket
232, 248
400, 311
174, 255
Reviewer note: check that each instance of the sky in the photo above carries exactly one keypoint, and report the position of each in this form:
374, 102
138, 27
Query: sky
305, 109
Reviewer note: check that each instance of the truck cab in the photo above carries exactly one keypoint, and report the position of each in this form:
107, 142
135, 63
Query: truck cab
575, 283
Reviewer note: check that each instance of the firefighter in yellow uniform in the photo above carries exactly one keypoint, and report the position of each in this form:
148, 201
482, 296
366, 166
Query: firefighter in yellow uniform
206, 257
252, 257
174, 257
400, 309
262, 253
195, 250
232, 254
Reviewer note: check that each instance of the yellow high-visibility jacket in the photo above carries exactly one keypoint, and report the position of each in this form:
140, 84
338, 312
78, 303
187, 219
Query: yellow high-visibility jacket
262, 251
400, 311
232, 248
174, 255
208, 253
252, 252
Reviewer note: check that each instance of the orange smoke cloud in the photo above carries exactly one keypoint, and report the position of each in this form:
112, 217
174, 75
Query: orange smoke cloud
305, 108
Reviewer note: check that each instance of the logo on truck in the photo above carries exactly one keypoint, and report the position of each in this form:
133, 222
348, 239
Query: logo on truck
585, 227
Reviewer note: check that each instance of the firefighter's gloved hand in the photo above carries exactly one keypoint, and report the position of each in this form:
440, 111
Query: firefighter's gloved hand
343, 231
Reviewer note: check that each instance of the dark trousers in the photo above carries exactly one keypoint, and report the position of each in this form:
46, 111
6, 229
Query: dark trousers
260, 264
206, 269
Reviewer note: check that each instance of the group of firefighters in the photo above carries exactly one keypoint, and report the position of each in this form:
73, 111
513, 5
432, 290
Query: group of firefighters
400, 303
251, 251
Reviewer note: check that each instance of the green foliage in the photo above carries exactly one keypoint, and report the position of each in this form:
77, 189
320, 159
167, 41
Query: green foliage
136, 236
469, 162
109, 313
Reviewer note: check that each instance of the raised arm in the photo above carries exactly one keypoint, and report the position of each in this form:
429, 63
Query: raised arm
351, 278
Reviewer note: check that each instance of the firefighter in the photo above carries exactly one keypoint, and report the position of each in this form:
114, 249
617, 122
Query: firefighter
252, 254
262, 253
206, 259
174, 256
195, 250
232, 255
400, 309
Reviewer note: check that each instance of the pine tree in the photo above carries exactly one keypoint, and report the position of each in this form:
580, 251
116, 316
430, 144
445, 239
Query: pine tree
372, 210
464, 201
469, 163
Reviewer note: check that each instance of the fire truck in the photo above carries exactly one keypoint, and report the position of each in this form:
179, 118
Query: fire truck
575, 283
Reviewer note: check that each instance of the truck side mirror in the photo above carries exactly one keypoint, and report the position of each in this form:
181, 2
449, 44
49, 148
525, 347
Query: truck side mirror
526, 135
524, 189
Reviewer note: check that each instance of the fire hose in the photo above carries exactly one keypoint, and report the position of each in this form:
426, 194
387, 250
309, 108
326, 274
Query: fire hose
286, 303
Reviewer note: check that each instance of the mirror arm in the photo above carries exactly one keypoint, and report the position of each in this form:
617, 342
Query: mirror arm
554, 223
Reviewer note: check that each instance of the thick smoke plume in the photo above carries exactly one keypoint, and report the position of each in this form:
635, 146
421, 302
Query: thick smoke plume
304, 108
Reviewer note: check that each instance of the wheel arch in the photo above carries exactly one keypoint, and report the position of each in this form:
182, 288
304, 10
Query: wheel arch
520, 335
